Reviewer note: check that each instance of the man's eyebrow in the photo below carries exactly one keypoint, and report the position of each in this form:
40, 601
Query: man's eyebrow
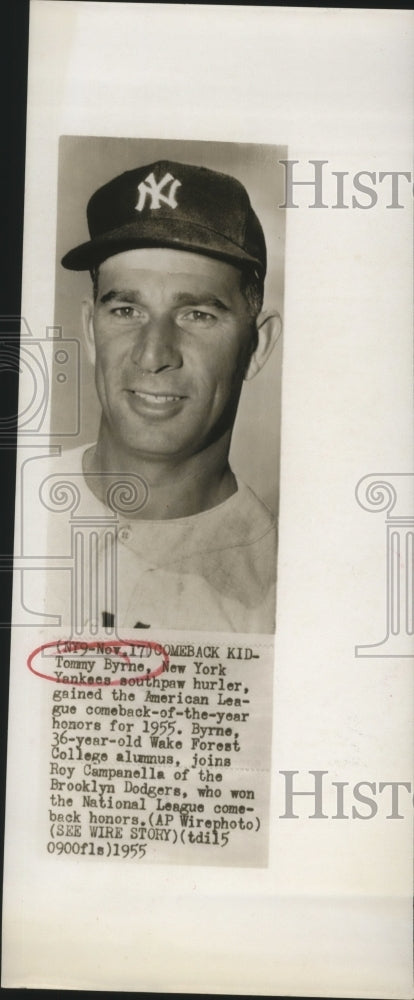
126, 294
200, 298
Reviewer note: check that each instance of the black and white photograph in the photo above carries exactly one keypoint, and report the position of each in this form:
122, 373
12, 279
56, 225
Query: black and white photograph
209, 754
172, 402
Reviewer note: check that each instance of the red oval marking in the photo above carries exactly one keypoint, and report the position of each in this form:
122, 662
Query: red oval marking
106, 643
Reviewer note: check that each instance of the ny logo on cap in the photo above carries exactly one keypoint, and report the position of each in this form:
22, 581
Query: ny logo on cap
150, 189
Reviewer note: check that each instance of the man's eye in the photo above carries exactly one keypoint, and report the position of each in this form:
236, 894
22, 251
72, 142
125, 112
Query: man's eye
124, 312
199, 316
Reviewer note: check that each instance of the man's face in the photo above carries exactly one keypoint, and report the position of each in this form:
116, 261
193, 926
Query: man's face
172, 337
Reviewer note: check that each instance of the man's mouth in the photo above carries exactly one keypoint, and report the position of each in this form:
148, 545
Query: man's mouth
155, 397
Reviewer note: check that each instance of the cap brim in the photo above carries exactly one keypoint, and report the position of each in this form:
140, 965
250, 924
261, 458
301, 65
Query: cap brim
160, 232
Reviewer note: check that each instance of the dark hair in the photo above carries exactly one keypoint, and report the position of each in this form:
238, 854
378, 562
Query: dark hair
252, 289
94, 273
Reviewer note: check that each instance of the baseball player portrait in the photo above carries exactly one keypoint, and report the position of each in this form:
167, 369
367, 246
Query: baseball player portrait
174, 324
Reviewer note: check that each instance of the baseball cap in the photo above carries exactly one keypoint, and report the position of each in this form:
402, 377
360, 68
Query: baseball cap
166, 204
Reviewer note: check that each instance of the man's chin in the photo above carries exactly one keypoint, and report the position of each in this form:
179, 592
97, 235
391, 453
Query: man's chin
156, 447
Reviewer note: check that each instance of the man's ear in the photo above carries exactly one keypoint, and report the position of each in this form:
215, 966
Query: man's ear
88, 330
269, 328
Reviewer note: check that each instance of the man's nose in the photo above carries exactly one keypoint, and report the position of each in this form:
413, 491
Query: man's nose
156, 346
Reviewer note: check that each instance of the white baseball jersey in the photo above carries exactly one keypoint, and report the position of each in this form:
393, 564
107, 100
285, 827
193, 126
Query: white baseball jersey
211, 571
